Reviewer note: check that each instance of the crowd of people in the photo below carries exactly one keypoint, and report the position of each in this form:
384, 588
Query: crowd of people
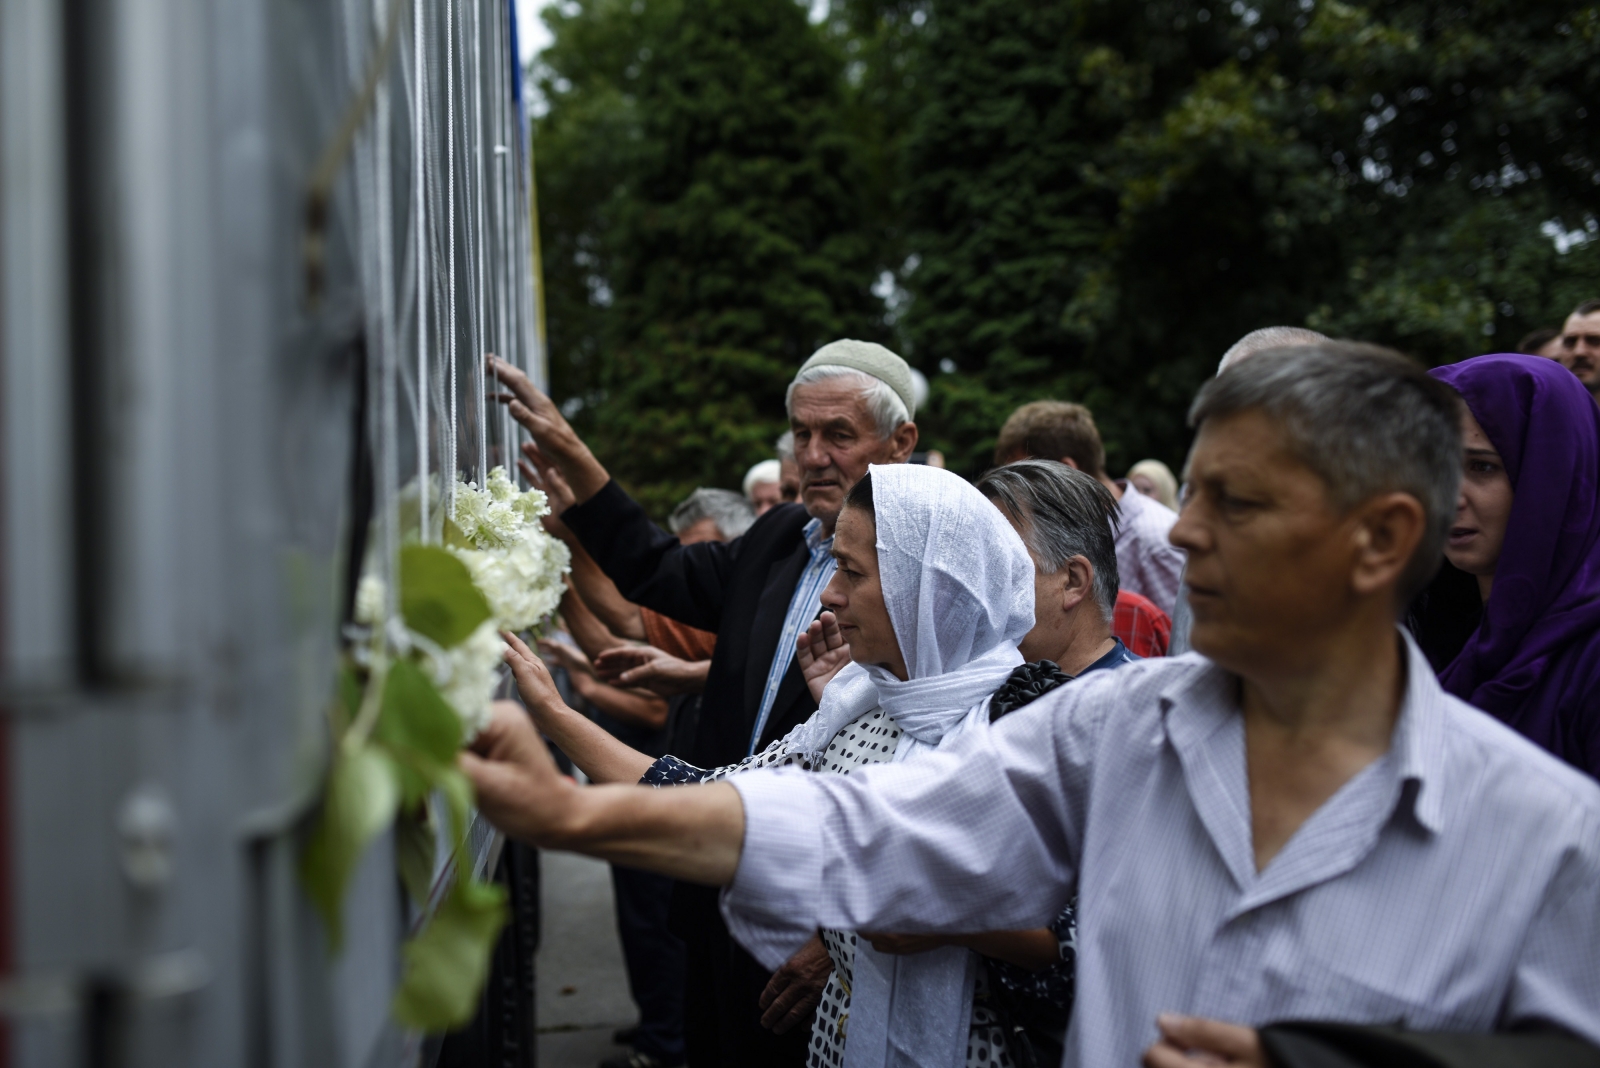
900, 769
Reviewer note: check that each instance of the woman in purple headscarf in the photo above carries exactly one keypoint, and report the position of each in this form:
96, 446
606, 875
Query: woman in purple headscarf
1528, 527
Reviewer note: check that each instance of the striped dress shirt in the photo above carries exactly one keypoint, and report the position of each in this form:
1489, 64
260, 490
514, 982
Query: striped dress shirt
804, 606
1452, 884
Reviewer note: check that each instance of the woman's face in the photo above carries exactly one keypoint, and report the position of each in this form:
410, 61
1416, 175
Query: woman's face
1145, 485
1484, 506
855, 594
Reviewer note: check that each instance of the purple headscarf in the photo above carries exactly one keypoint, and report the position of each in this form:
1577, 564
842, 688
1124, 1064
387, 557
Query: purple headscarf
1534, 661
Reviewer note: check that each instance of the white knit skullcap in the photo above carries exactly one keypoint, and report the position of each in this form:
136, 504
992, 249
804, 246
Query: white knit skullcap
870, 359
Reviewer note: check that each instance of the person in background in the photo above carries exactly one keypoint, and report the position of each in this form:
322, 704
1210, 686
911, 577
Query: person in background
763, 485
1155, 480
1147, 562
1256, 341
1296, 824
789, 470
711, 515
1145, 629
850, 405
1545, 341
652, 954
1580, 346
1266, 338
1527, 527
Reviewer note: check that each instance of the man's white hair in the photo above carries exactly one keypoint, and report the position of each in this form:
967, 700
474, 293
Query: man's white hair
1268, 337
888, 411
765, 471
784, 446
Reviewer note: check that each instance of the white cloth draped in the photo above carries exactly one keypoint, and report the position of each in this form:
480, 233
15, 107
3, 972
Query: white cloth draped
958, 584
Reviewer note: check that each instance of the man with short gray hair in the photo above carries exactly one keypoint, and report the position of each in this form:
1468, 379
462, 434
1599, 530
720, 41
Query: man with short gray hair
1268, 337
1256, 341
851, 404
713, 514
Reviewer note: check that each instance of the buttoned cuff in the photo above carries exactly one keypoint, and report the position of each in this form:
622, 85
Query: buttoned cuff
771, 904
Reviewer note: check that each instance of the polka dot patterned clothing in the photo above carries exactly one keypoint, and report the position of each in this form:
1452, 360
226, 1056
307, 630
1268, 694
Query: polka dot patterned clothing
871, 739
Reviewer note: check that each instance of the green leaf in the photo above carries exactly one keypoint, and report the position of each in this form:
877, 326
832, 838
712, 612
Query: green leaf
437, 597
414, 845
350, 691
415, 717
447, 963
363, 793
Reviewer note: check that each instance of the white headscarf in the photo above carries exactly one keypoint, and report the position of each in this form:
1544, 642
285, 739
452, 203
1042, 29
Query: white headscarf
958, 584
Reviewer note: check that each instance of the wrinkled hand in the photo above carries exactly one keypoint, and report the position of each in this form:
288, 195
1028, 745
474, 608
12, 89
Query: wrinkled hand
534, 684
822, 653
565, 655
556, 439
544, 475
1190, 1040
902, 945
652, 669
796, 987
519, 789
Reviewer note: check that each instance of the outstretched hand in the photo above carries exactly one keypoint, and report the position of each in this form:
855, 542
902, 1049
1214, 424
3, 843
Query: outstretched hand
1191, 1040
652, 669
519, 788
565, 655
538, 414
822, 653
534, 684
544, 475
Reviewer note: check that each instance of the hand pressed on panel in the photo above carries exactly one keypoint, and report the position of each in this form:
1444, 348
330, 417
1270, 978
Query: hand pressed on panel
544, 475
556, 439
822, 652
520, 790
534, 684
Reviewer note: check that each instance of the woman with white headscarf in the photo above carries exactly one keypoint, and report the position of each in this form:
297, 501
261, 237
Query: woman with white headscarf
933, 591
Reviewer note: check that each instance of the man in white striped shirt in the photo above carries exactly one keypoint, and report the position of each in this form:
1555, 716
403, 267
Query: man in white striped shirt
1298, 823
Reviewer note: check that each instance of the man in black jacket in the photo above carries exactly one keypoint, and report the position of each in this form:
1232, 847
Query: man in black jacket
850, 405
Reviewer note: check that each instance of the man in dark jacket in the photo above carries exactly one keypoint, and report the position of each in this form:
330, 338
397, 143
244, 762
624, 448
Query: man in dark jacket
850, 406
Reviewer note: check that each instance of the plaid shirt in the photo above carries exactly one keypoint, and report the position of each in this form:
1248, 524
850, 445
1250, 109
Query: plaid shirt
1143, 628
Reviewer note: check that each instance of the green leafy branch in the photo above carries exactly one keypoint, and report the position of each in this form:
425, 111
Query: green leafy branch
396, 740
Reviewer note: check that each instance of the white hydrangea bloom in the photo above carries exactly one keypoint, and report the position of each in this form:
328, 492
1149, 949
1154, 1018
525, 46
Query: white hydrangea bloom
468, 675
371, 596
514, 562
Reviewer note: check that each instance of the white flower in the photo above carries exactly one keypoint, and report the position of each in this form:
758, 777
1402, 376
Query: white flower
495, 517
372, 594
468, 674
514, 562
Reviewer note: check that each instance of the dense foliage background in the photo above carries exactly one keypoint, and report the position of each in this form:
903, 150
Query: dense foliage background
1083, 199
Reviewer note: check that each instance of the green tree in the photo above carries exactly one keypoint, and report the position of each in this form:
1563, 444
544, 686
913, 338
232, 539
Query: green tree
706, 211
1098, 197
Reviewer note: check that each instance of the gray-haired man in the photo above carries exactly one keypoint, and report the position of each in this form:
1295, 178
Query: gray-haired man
851, 405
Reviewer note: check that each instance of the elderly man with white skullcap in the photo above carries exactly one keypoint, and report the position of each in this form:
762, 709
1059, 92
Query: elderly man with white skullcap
851, 405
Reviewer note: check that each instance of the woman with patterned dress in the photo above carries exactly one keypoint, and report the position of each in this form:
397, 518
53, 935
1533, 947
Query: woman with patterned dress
933, 592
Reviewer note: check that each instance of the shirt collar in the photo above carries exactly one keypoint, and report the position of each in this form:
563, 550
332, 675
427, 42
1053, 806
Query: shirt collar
814, 539
1118, 656
1418, 743
1209, 698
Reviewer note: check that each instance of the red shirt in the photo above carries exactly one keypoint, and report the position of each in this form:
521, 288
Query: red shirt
1144, 629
